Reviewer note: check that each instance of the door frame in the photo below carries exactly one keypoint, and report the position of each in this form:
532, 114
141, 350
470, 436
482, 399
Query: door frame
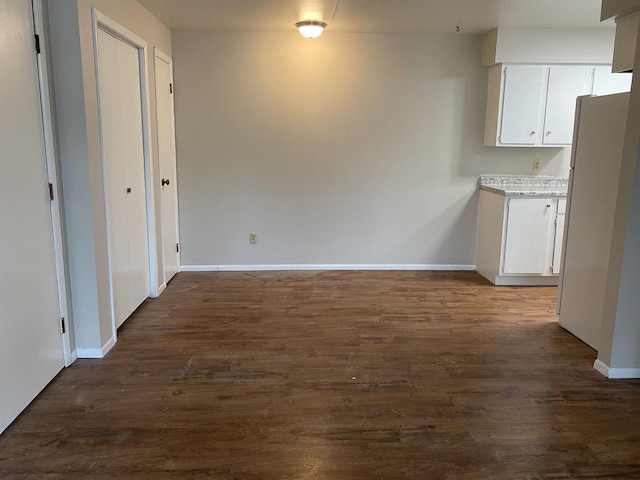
160, 55
101, 21
43, 61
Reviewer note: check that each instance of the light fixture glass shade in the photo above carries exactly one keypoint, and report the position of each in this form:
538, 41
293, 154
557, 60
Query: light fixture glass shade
311, 28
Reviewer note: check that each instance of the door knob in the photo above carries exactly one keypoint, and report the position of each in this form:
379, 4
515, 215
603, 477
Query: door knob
165, 182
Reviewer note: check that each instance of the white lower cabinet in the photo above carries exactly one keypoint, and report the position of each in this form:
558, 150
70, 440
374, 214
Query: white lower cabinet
526, 237
559, 234
519, 239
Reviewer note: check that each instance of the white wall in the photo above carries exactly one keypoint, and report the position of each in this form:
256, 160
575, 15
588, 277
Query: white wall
79, 144
621, 317
348, 149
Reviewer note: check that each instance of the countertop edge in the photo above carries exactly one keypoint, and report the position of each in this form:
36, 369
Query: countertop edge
524, 192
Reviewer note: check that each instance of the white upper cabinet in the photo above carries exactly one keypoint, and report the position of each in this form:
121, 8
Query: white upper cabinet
566, 84
607, 83
534, 105
521, 103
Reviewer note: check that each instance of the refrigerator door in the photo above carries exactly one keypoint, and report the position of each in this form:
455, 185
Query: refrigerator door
597, 156
576, 128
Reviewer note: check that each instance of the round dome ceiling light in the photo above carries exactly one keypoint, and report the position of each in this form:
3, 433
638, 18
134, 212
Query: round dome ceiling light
311, 28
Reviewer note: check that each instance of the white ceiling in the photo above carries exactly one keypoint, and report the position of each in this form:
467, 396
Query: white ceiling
381, 16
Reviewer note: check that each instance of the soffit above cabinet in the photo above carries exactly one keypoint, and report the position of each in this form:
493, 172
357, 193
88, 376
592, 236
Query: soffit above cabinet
619, 8
376, 16
587, 46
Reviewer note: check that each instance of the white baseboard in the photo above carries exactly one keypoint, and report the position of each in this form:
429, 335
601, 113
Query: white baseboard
296, 266
96, 352
609, 372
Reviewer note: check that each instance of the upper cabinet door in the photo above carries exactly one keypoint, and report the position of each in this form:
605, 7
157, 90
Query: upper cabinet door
607, 83
521, 104
566, 84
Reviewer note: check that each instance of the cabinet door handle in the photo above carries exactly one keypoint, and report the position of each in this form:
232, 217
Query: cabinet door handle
128, 189
532, 133
548, 133
548, 205
165, 182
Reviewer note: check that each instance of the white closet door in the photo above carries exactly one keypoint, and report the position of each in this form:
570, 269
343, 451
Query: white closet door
31, 351
133, 158
166, 152
115, 177
123, 157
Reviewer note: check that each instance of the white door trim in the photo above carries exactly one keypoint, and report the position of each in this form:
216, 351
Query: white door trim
43, 61
100, 20
159, 54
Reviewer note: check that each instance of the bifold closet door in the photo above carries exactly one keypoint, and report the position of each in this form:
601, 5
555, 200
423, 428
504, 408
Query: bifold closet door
123, 158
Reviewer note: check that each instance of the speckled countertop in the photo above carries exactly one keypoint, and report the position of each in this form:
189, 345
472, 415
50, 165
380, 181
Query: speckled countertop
524, 185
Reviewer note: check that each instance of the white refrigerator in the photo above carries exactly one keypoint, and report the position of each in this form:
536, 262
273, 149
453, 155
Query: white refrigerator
596, 158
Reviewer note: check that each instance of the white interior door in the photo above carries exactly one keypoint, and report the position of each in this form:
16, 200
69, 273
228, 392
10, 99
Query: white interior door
31, 349
123, 158
166, 152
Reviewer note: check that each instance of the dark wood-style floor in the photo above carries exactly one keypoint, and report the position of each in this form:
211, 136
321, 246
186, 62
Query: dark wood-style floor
334, 375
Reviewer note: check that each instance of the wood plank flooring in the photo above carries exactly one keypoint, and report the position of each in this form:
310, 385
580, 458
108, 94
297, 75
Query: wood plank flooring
334, 375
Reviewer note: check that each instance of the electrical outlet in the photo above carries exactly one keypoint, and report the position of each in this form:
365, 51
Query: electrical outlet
253, 238
536, 165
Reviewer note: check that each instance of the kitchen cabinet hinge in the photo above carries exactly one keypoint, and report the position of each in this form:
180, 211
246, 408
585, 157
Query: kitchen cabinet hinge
37, 43
51, 192
63, 329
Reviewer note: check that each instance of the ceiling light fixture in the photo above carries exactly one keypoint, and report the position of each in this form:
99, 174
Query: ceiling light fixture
311, 28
